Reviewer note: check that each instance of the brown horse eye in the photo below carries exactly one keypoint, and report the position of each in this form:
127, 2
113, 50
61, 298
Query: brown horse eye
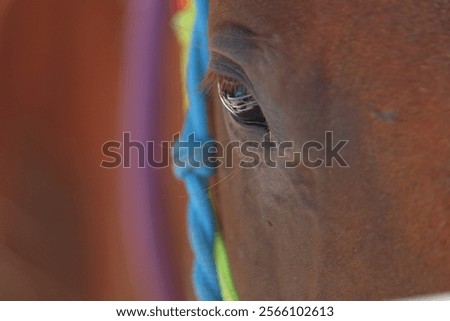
241, 103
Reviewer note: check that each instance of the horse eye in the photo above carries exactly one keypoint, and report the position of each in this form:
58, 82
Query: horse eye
244, 107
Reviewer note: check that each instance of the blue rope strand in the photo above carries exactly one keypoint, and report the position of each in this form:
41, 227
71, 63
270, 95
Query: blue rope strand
201, 220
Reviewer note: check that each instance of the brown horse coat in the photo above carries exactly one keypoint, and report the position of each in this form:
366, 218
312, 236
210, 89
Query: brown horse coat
376, 73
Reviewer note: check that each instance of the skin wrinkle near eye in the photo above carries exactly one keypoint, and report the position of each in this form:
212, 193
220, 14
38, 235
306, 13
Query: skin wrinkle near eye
239, 42
231, 36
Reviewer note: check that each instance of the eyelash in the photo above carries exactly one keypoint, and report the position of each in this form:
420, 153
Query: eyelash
237, 99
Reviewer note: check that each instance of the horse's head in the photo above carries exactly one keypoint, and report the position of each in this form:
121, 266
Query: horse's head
375, 73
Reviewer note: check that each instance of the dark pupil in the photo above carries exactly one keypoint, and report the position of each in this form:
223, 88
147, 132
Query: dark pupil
251, 116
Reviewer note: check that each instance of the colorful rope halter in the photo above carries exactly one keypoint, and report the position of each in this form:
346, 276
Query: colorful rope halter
211, 273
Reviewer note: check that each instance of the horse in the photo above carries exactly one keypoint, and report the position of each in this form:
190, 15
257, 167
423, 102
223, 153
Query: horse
376, 76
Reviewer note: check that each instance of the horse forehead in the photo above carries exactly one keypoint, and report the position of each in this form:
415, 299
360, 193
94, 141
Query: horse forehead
405, 43
297, 22
287, 18
261, 16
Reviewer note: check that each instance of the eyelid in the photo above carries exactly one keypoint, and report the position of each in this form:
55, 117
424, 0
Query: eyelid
224, 66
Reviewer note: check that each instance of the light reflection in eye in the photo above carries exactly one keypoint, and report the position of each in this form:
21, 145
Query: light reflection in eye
236, 98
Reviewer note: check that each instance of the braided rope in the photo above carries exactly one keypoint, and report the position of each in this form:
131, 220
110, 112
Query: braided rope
201, 221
